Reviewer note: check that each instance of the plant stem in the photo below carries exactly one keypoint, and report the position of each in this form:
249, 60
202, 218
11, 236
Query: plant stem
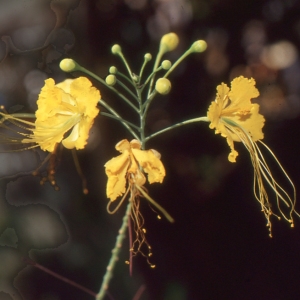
115, 253
110, 109
24, 115
82, 69
204, 119
178, 61
127, 89
119, 119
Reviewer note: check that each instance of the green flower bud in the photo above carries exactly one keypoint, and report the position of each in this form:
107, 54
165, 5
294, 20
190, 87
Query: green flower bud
166, 64
111, 80
163, 86
113, 70
148, 57
199, 46
68, 65
116, 49
169, 42
135, 77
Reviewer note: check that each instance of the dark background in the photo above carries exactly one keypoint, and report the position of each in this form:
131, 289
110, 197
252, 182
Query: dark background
218, 247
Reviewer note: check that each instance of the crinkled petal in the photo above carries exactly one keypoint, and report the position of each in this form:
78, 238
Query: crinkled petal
116, 170
151, 164
213, 115
222, 96
252, 123
65, 85
233, 154
123, 145
86, 96
241, 93
49, 100
135, 144
216, 107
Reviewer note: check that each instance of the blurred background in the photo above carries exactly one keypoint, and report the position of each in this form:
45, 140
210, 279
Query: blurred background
218, 247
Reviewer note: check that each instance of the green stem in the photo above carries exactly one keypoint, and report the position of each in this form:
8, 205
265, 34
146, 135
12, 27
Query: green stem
119, 119
23, 115
157, 61
103, 103
127, 90
151, 76
179, 60
142, 121
79, 68
148, 101
125, 77
126, 64
204, 119
115, 255
142, 70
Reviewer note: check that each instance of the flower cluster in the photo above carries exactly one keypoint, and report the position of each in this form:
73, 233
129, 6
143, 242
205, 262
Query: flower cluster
66, 112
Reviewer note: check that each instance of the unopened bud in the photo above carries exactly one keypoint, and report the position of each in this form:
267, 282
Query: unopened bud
166, 64
135, 77
148, 56
116, 49
113, 70
163, 86
169, 42
199, 46
111, 80
68, 65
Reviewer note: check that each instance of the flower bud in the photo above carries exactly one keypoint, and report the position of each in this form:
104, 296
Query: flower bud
166, 64
116, 49
68, 65
148, 57
113, 70
169, 42
135, 77
111, 80
163, 86
199, 46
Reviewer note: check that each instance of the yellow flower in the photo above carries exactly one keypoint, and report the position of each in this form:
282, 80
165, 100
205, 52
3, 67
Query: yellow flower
69, 105
236, 118
128, 169
232, 113
130, 165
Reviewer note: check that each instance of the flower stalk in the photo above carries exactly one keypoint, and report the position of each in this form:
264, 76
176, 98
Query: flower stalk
115, 255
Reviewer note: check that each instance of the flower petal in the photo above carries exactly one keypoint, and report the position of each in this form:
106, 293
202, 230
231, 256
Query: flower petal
70, 141
242, 91
252, 123
233, 154
151, 164
86, 96
116, 170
